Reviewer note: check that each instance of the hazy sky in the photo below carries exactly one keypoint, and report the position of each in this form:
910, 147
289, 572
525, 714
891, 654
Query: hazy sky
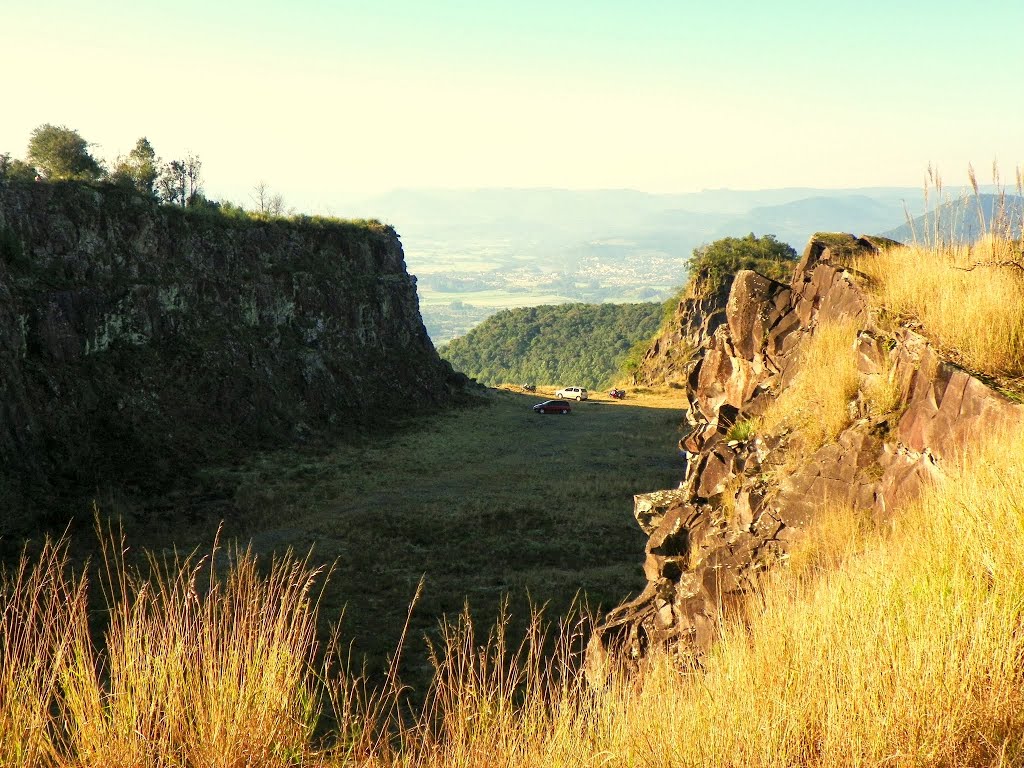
329, 100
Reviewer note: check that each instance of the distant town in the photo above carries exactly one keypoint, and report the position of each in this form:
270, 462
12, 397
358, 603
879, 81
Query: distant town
452, 302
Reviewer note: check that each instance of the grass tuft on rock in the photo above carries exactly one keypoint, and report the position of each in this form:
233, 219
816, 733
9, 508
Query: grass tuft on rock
816, 402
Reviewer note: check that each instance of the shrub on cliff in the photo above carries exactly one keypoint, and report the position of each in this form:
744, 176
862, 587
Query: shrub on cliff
711, 264
61, 153
140, 169
14, 169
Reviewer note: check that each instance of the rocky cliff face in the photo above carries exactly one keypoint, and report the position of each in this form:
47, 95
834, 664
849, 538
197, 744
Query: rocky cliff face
747, 496
137, 340
673, 352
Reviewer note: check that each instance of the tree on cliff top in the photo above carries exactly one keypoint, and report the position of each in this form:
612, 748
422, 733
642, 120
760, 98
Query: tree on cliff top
712, 264
61, 153
13, 168
139, 169
267, 203
180, 181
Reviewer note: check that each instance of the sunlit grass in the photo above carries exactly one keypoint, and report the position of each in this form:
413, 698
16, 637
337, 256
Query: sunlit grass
44, 612
969, 300
816, 402
196, 668
881, 389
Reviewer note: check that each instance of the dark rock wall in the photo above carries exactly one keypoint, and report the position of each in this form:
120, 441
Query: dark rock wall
137, 340
735, 514
671, 354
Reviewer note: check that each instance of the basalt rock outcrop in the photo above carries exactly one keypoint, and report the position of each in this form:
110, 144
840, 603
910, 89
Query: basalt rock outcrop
673, 351
137, 340
746, 496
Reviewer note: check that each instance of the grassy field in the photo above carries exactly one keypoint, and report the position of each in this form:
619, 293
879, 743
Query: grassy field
483, 503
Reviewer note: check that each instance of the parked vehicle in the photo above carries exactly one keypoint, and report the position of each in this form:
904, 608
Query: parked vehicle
553, 406
618, 394
572, 393
529, 387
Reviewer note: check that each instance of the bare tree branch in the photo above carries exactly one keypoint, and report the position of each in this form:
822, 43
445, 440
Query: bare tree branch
1012, 264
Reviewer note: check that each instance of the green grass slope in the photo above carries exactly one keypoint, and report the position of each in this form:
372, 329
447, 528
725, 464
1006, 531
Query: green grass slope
570, 344
483, 502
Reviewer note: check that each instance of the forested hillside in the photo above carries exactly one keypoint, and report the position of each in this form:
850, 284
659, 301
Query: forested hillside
583, 344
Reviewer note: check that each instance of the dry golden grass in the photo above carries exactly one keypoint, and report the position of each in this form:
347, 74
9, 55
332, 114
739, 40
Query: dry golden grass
969, 300
900, 646
212, 676
816, 404
910, 654
881, 390
196, 669
836, 534
43, 608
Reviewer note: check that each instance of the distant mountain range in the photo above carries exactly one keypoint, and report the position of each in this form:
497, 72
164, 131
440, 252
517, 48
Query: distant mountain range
546, 221
478, 251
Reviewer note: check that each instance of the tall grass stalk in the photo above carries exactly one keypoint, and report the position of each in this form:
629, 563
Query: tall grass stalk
43, 612
511, 704
214, 673
200, 665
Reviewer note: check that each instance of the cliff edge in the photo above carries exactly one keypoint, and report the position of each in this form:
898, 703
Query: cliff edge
138, 340
755, 481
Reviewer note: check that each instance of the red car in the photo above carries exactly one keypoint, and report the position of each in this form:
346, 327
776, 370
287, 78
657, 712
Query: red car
552, 406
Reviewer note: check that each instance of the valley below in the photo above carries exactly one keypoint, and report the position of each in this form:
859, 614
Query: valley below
490, 504
456, 293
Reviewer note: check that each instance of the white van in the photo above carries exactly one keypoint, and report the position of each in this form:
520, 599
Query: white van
572, 393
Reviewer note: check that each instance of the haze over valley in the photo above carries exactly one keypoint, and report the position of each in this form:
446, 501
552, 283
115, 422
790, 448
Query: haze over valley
475, 252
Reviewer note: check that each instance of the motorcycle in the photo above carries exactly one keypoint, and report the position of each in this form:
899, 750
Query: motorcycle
618, 394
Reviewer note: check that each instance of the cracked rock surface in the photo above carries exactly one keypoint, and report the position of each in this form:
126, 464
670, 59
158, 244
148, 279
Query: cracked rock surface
732, 515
